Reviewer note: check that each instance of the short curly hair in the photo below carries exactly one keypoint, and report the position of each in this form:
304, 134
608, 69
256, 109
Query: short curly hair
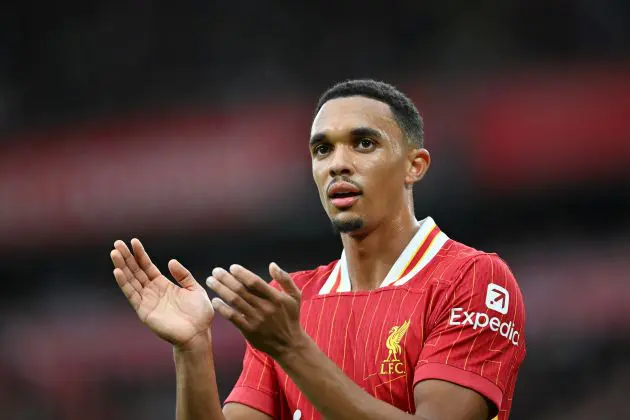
403, 109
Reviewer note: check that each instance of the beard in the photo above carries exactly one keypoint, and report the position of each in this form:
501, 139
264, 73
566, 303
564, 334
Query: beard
347, 226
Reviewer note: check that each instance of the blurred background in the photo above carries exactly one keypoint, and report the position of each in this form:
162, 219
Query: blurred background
186, 124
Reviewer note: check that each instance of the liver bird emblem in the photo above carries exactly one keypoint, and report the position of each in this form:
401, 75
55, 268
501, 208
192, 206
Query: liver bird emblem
393, 341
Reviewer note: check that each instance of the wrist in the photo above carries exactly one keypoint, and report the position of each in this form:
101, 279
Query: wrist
296, 352
200, 342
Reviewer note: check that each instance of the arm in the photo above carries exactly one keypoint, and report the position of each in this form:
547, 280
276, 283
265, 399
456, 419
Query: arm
269, 320
475, 334
197, 394
336, 396
180, 314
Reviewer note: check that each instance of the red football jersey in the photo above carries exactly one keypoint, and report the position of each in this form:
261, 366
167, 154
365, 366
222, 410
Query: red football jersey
445, 311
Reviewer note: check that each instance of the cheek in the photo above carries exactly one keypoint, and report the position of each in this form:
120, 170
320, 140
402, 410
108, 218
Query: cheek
387, 186
319, 176
384, 176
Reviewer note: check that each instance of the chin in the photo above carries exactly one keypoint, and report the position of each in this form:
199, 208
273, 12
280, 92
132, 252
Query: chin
347, 223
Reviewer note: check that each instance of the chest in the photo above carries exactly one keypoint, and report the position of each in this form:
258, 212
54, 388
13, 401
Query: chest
374, 337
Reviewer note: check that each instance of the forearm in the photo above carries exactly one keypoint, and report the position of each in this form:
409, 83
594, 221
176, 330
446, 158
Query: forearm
331, 392
197, 394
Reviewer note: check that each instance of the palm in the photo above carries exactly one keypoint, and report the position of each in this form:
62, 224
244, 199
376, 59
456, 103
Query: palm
176, 314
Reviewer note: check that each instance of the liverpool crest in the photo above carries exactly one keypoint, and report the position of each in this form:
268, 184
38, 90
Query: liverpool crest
392, 363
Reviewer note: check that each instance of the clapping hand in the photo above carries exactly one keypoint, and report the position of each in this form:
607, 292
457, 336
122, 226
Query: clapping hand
177, 313
268, 318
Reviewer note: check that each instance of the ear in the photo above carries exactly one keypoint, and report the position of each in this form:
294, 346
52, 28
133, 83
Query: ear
419, 162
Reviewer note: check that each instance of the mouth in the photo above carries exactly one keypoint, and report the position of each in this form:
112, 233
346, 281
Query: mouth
343, 195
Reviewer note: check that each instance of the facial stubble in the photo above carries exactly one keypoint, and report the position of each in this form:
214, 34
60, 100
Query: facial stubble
347, 226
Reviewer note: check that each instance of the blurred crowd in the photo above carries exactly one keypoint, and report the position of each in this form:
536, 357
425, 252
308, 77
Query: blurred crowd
66, 59
186, 124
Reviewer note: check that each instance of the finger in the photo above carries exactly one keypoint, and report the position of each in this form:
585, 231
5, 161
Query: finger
182, 275
119, 263
285, 280
131, 262
229, 313
255, 284
143, 259
218, 284
239, 287
128, 290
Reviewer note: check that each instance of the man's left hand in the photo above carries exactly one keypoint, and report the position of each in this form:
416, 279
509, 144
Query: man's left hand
268, 318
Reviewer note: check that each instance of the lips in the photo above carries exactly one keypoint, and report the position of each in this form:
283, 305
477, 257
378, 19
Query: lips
343, 194
343, 189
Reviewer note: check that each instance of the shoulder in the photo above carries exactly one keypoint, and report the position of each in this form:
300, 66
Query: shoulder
459, 262
311, 281
481, 281
487, 278
462, 272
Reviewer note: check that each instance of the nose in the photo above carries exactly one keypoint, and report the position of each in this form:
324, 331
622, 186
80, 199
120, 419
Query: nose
341, 163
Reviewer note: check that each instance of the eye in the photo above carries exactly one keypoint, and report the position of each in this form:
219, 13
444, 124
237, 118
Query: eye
321, 149
366, 144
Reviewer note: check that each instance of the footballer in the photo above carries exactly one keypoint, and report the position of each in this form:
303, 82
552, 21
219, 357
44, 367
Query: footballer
407, 324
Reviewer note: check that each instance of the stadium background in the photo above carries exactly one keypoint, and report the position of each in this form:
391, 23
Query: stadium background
186, 124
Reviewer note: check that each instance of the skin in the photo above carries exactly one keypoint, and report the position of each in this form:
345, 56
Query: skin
384, 166
381, 163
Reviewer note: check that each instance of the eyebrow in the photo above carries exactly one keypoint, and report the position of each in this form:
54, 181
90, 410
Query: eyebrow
317, 138
355, 132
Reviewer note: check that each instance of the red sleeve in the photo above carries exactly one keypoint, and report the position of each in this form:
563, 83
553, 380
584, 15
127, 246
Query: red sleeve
475, 335
257, 387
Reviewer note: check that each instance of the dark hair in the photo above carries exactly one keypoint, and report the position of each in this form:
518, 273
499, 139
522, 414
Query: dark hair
404, 111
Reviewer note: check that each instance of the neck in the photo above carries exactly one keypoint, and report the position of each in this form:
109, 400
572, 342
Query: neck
371, 256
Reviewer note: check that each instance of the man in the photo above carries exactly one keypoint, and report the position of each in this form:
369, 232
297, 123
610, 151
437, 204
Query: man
406, 324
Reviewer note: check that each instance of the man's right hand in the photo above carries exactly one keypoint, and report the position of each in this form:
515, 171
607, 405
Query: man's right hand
176, 314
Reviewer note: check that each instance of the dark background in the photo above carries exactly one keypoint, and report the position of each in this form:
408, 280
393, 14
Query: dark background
186, 124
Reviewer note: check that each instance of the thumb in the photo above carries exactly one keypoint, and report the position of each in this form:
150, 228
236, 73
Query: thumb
182, 275
285, 280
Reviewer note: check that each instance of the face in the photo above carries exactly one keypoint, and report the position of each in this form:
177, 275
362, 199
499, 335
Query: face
362, 165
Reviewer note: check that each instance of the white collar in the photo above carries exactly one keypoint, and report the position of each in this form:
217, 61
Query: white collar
422, 248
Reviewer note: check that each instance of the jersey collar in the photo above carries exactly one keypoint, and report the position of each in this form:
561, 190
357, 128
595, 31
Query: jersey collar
422, 248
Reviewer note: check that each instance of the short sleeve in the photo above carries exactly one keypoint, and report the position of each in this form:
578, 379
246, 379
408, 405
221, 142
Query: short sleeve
475, 334
257, 387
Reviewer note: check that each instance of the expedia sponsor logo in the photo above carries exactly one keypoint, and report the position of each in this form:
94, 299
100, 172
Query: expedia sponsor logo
480, 320
497, 298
